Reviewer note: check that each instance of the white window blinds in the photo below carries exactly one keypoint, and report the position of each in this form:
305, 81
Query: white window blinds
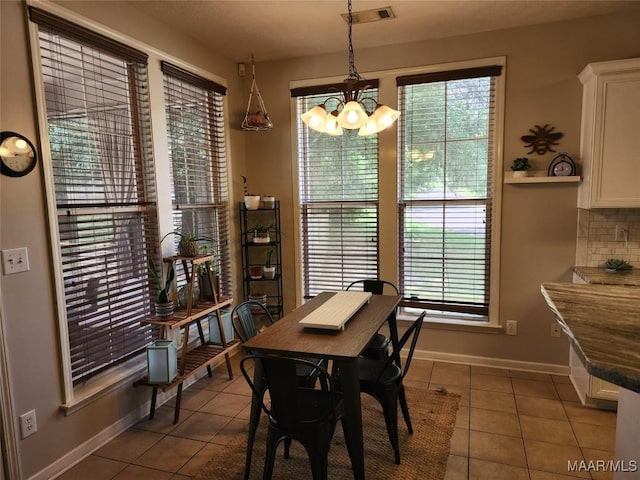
99, 133
338, 194
197, 150
446, 155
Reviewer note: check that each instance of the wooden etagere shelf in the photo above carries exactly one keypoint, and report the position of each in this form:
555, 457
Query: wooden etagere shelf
204, 355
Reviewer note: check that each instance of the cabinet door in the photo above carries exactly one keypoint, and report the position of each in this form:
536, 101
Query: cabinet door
610, 144
619, 170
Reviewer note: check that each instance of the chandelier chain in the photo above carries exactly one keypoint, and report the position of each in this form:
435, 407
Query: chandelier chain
353, 73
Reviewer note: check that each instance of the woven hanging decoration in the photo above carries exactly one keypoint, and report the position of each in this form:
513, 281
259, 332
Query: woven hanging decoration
258, 119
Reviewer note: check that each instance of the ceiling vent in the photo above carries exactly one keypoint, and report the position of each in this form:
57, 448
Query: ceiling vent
374, 15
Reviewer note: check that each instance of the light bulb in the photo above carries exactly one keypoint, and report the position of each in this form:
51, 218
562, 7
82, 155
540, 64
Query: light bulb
352, 115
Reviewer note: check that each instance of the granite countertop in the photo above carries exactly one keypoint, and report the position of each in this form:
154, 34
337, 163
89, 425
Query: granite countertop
600, 276
603, 322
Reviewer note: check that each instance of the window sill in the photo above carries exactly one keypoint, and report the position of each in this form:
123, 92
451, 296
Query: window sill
96, 388
455, 325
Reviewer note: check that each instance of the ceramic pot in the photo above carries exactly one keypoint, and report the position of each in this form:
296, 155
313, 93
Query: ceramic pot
268, 201
255, 272
252, 202
164, 310
269, 272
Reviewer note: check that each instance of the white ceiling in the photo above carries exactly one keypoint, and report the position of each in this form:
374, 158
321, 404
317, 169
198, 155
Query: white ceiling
293, 28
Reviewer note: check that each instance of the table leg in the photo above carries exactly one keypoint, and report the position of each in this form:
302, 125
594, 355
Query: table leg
254, 418
352, 422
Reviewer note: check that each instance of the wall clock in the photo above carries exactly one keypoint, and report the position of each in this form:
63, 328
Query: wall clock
562, 165
17, 154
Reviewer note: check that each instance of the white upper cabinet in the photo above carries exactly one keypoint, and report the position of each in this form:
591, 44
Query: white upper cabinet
610, 135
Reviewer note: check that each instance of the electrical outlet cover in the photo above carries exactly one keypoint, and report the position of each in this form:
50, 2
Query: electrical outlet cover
28, 425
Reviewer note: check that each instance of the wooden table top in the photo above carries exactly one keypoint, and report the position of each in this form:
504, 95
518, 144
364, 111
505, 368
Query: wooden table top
287, 336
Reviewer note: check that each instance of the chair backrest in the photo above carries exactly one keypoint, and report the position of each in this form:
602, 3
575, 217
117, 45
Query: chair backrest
373, 285
412, 334
284, 389
243, 319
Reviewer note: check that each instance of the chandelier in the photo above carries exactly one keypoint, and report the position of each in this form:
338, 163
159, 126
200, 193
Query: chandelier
351, 110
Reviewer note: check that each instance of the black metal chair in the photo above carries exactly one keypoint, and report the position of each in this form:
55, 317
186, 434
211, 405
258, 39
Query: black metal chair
298, 413
382, 379
250, 317
246, 321
378, 346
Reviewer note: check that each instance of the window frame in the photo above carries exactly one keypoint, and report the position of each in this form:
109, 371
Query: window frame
388, 159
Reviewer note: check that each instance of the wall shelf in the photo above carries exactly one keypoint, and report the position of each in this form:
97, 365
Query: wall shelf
540, 177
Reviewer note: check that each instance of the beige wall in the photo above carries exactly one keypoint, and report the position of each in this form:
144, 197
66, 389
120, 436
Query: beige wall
539, 221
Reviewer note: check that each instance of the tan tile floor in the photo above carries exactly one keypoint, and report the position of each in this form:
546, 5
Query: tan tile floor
511, 425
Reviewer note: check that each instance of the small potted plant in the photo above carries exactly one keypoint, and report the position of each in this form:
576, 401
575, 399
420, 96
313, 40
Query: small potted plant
261, 233
255, 272
164, 304
617, 265
269, 270
521, 167
189, 245
251, 201
268, 201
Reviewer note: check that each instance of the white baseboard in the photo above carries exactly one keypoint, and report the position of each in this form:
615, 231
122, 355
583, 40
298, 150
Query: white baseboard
537, 367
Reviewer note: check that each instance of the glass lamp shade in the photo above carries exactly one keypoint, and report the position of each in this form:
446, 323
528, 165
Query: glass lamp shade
386, 116
332, 127
352, 116
370, 127
315, 118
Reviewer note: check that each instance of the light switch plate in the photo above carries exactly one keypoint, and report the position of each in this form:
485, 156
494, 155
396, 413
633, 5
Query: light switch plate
15, 260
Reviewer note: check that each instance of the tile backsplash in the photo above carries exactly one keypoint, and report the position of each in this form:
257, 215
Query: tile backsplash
596, 236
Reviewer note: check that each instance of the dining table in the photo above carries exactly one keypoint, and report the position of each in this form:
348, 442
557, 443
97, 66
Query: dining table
288, 337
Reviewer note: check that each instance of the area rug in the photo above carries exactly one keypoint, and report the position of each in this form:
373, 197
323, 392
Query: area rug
423, 455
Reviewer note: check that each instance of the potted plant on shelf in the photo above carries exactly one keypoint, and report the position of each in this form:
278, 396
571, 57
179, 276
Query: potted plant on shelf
261, 233
617, 265
255, 272
269, 270
164, 304
189, 245
521, 167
